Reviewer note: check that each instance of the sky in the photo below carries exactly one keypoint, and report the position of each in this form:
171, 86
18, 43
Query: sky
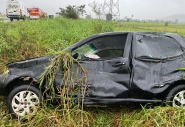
140, 9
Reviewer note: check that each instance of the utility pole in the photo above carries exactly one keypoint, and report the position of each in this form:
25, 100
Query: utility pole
111, 9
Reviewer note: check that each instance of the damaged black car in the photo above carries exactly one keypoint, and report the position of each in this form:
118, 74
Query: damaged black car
143, 67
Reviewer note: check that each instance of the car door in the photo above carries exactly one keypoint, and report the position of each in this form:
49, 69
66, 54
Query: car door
108, 72
156, 63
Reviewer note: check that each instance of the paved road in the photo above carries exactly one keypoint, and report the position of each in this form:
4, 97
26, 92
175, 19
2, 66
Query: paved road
6, 20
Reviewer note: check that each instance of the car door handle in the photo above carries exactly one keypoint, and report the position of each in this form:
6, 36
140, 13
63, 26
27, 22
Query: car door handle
118, 64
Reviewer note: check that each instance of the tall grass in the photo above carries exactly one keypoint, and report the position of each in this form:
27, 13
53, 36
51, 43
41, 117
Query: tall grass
23, 40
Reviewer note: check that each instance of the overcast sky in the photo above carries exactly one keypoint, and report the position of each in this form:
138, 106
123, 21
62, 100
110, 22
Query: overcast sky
140, 9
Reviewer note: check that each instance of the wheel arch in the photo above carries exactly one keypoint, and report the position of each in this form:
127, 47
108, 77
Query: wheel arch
20, 81
173, 85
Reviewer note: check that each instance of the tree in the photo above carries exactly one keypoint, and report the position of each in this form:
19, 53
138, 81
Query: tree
96, 8
73, 12
166, 23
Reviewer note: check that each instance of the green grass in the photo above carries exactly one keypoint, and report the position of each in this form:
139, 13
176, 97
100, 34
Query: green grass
23, 40
155, 27
26, 39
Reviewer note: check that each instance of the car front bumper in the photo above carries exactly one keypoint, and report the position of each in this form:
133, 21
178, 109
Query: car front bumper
2, 85
5, 79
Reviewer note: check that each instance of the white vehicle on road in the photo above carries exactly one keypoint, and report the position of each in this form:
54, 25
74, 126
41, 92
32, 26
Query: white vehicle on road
15, 9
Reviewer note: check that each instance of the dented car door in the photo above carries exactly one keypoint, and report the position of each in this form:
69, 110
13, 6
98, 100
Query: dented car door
156, 63
109, 71
108, 77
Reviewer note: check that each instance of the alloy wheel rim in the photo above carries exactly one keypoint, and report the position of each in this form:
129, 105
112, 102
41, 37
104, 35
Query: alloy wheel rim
25, 102
179, 99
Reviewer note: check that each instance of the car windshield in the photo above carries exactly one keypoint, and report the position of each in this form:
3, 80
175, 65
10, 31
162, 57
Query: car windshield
157, 46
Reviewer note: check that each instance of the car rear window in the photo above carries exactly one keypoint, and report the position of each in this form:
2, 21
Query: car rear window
157, 46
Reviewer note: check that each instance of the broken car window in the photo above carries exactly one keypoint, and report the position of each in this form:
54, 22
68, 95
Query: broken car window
155, 46
102, 47
84, 50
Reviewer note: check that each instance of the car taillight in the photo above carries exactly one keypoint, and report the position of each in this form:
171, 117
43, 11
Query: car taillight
20, 11
6, 11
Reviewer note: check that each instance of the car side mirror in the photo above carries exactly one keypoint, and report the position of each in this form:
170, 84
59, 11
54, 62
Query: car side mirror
75, 56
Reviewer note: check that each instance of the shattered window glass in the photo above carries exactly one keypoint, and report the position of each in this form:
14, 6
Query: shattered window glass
156, 46
85, 50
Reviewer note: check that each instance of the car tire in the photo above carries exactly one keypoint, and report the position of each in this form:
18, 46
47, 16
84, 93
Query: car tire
11, 19
176, 97
24, 100
24, 18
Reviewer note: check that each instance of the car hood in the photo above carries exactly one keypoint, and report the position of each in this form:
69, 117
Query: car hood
31, 62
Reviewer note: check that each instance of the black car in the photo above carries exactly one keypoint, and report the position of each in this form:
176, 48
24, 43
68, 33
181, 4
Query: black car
144, 67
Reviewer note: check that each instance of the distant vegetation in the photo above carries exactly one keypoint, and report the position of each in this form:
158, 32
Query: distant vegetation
27, 39
72, 12
2, 16
151, 26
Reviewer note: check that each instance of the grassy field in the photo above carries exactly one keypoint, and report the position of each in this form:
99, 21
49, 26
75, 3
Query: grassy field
151, 26
23, 40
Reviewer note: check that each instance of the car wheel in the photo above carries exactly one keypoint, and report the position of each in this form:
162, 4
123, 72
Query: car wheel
176, 97
24, 100
11, 19
24, 18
